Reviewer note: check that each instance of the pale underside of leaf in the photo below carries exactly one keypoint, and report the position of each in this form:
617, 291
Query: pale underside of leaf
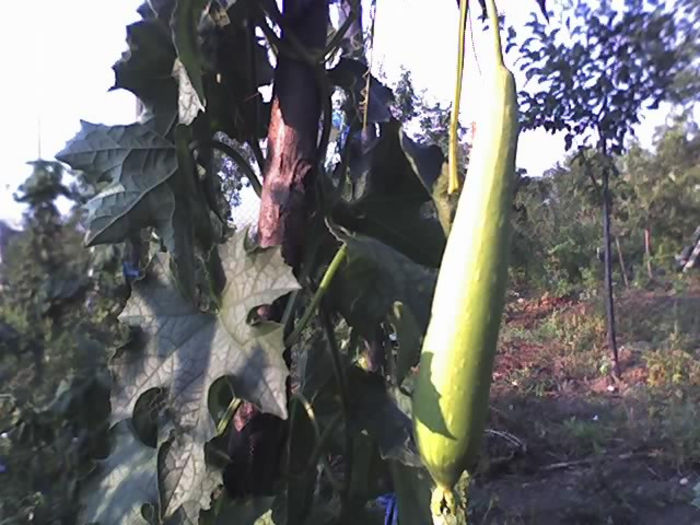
184, 351
186, 17
124, 482
188, 103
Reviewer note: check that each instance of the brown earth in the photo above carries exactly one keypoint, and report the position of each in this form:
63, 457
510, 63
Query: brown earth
568, 444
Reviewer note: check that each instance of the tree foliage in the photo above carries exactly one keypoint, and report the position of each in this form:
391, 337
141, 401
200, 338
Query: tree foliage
658, 192
557, 241
56, 314
592, 74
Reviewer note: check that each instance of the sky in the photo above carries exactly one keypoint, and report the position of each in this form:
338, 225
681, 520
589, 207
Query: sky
57, 59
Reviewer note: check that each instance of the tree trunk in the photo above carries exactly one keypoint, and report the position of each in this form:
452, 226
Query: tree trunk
609, 300
292, 135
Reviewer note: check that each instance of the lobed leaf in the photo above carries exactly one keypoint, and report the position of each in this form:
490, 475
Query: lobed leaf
137, 160
374, 277
184, 351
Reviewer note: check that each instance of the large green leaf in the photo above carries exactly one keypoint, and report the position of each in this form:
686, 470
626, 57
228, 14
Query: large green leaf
152, 184
123, 483
186, 483
375, 276
146, 68
410, 339
428, 163
138, 160
183, 351
387, 198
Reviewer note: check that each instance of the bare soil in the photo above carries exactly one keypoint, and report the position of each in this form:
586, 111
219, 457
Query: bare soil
568, 444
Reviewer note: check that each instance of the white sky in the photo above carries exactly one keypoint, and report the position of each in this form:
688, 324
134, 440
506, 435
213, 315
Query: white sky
57, 56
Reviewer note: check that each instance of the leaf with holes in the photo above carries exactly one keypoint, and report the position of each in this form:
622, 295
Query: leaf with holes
183, 351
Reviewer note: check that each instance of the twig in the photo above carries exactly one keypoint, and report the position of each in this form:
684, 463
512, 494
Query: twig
587, 461
507, 436
231, 410
453, 180
335, 41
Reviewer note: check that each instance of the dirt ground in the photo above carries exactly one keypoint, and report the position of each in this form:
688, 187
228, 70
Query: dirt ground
567, 444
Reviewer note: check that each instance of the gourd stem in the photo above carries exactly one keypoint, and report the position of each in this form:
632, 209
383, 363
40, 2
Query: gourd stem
493, 20
453, 183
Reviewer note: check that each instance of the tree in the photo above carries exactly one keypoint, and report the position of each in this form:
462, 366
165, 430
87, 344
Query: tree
657, 191
431, 120
26, 289
593, 75
55, 327
556, 222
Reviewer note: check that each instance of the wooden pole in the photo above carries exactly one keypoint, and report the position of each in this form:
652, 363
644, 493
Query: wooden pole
623, 270
647, 251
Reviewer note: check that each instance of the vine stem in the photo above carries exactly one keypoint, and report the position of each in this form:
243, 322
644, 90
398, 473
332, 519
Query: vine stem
320, 292
239, 159
321, 439
493, 19
341, 379
231, 410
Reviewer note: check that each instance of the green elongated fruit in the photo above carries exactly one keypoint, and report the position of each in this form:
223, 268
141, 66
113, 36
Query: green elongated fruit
450, 401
